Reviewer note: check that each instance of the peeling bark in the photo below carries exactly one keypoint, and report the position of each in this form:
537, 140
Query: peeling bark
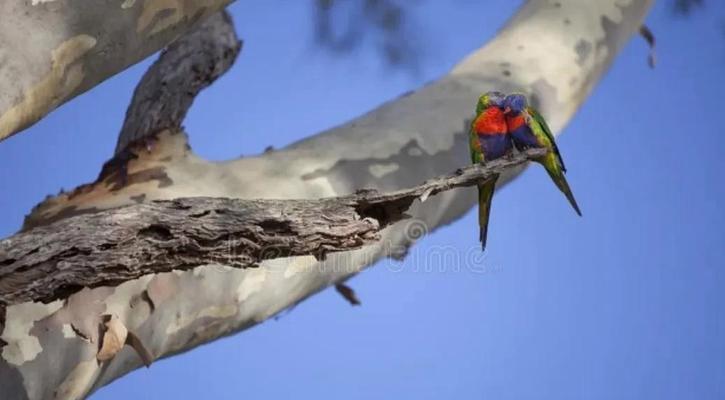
110, 247
397, 145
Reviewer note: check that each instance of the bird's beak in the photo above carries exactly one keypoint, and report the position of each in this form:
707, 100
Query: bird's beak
507, 110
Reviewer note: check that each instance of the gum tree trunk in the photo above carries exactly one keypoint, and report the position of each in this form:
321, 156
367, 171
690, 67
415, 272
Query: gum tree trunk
54, 50
69, 347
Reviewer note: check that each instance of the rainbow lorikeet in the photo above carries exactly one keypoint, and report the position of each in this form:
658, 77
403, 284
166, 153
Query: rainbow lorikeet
528, 129
489, 140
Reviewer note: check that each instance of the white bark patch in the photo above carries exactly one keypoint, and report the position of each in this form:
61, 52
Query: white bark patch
203, 271
65, 75
380, 170
128, 4
297, 265
68, 331
320, 187
78, 381
36, 2
425, 195
252, 283
220, 312
162, 287
167, 13
151, 8
119, 303
21, 345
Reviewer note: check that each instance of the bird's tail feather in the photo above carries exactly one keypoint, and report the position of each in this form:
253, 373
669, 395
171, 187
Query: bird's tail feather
485, 195
557, 176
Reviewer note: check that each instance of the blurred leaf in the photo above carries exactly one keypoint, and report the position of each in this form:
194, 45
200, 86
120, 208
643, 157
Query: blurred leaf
686, 7
344, 26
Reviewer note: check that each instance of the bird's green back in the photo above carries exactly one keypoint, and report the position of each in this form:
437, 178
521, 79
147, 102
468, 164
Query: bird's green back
543, 133
474, 145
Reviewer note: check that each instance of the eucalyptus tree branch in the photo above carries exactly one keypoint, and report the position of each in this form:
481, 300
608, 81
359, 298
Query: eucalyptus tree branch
109, 247
186, 67
50, 350
52, 51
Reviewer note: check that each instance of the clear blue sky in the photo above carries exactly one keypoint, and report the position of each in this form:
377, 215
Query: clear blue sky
625, 303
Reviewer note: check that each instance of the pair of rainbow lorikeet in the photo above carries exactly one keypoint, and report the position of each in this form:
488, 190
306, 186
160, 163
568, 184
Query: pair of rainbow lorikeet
502, 123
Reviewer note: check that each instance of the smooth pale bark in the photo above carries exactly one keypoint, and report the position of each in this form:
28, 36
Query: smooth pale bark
556, 51
54, 50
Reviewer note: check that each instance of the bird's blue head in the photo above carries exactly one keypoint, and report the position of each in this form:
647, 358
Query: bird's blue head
490, 99
515, 104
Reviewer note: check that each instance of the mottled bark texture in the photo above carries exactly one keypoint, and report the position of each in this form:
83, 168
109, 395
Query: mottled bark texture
107, 248
54, 50
50, 350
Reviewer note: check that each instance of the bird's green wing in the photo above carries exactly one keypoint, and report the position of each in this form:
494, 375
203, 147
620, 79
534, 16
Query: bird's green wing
544, 128
474, 145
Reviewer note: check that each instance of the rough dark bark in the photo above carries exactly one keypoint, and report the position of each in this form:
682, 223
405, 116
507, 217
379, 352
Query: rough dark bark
110, 247
187, 66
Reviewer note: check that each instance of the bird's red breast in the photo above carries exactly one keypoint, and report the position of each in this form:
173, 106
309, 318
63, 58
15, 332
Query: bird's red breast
490, 122
515, 122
